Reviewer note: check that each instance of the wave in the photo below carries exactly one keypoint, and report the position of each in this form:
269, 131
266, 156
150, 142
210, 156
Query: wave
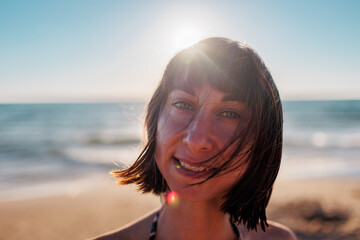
321, 139
112, 156
112, 141
296, 166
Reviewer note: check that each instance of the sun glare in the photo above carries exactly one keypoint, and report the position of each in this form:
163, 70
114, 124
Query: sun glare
185, 37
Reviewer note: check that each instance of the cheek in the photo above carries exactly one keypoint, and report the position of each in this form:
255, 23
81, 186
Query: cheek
223, 131
167, 135
170, 125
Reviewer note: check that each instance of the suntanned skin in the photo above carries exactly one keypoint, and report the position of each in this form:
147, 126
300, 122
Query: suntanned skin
181, 146
140, 230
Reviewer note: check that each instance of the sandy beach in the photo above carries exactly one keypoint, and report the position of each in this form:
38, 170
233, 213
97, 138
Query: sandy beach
314, 209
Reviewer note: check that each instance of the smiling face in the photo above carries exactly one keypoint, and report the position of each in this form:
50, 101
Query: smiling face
214, 120
193, 128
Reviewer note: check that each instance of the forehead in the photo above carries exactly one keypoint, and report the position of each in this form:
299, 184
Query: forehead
234, 80
195, 82
204, 92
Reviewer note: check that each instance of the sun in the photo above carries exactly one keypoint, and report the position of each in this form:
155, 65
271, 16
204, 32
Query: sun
185, 37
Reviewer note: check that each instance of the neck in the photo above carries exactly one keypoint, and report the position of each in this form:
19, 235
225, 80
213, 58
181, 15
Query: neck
193, 220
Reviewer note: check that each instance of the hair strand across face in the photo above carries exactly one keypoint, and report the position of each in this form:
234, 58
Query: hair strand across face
236, 70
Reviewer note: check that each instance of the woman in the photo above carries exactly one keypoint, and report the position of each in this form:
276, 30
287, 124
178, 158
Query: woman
214, 142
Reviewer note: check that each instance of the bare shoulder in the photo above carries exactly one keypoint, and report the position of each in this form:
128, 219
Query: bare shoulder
139, 229
275, 231
279, 231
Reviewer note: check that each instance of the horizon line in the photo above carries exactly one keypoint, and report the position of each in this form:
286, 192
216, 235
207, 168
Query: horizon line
146, 101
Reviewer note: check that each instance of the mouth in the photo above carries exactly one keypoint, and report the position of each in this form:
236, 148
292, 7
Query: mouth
190, 167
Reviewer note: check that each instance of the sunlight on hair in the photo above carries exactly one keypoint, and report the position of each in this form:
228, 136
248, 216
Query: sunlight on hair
172, 198
185, 37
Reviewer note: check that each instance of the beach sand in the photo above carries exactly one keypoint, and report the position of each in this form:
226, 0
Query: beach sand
313, 209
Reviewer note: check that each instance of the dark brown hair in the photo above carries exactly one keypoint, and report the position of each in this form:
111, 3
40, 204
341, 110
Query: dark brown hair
236, 69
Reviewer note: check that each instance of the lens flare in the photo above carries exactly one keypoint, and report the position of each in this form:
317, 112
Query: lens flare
172, 198
177, 165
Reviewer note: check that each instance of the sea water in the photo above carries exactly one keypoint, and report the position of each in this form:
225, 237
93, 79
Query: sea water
45, 145
321, 139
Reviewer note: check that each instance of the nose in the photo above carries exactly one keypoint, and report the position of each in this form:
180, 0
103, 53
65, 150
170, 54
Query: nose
198, 136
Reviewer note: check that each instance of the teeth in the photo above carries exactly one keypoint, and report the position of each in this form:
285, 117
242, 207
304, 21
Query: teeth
192, 168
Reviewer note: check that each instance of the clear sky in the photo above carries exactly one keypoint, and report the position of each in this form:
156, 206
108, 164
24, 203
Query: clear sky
79, 51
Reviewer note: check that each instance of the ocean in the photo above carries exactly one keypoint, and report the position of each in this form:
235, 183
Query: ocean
45, 146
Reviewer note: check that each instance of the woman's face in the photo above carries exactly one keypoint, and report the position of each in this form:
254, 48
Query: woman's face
194, 127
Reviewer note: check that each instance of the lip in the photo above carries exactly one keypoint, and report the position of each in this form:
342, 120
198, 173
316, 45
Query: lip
187, 172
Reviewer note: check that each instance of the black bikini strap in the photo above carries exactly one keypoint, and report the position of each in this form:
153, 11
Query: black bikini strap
154, 226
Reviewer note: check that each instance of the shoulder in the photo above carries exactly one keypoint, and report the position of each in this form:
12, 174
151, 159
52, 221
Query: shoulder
280, 232
139, 229
275, 231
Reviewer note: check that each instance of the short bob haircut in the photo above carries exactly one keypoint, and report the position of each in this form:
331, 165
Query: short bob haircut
236, 69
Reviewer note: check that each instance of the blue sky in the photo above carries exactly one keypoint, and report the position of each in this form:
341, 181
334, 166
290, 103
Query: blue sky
88, 51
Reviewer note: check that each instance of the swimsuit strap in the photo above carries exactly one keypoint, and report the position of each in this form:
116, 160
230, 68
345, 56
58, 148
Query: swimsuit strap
154, 226
155, 221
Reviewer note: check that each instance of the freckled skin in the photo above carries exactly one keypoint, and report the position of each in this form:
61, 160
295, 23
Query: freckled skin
196, 128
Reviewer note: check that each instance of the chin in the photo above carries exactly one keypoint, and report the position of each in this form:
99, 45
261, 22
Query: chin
196, 193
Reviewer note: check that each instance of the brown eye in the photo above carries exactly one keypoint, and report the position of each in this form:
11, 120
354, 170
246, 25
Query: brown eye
183, 105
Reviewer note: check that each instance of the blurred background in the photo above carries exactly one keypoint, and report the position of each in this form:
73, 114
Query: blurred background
75, 77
